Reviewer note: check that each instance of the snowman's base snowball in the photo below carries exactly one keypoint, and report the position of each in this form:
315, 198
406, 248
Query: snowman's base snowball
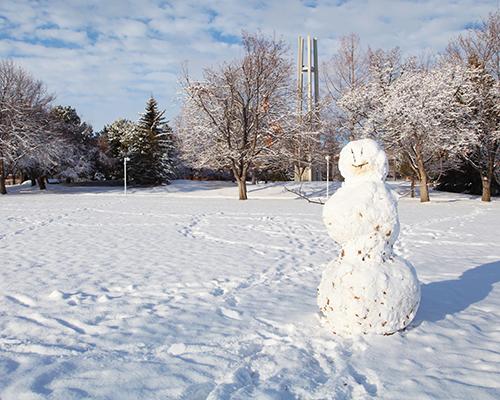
365, 297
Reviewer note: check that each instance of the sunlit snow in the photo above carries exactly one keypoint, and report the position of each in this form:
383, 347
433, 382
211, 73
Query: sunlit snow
184, 292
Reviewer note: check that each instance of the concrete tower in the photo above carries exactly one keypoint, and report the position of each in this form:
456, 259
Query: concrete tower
304, 170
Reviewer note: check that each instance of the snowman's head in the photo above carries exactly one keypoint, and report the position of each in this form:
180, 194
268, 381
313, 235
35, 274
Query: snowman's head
363, 160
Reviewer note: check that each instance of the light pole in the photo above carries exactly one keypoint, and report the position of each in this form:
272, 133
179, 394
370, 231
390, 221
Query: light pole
327, 158
125, 175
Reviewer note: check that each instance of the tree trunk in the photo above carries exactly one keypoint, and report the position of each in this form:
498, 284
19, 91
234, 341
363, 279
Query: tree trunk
240, 174
351, 129
486, 182
242, 188
422, 175
41, 183
254, 176
487, 177
412, 187
3, 189
424, 189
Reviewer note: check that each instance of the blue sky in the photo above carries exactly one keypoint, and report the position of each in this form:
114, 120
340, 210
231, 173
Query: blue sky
105, 57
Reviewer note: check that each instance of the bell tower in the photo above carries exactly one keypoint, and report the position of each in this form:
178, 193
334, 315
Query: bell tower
308, 66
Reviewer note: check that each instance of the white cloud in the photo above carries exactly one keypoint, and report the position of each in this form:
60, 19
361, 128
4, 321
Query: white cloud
118, 52
62, 35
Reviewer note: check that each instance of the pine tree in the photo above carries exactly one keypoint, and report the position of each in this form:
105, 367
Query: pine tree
115, 139
151, 148
118, 134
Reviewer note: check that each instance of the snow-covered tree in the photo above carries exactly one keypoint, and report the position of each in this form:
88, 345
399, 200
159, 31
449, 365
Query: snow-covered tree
419, 118
479, 52
413, 108
24, 121
362, 103
114, 140
241, 113
150, 147
119, 134
78, 158
36, 139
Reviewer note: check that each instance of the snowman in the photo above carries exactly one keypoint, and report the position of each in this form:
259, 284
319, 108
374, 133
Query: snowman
367, 289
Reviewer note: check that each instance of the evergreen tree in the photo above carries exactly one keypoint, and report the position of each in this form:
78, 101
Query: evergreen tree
76, 154
68, 122
115, 140
151, 148
120, 135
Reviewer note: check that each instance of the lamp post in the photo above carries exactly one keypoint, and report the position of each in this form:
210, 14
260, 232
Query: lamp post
125, 175
327, 158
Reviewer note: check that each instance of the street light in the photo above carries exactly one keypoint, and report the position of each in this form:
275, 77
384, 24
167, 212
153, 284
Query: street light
125, 174
327, 158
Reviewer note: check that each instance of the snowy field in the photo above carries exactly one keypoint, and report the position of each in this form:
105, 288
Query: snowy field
184, 292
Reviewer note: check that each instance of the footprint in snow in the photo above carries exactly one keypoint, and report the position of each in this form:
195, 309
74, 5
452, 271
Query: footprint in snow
217, 292
22, 300
57, 295
198, 391
228, 313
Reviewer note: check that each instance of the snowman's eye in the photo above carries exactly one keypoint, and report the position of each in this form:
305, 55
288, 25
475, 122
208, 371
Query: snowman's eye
361, 151
353, 156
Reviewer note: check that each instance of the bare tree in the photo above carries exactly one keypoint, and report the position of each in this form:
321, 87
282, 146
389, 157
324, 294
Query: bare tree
346, 71
348, 68
240, 113
481, 43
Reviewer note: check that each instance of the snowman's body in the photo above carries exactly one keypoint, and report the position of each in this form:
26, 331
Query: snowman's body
368, 288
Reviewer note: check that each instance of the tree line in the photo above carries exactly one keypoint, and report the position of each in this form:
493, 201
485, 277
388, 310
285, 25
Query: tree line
437, 116
39, 139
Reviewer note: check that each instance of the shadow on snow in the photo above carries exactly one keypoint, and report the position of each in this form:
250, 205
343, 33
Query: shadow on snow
449, 297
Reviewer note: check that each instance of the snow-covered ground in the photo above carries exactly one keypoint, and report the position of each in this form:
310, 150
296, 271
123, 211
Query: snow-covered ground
184, 292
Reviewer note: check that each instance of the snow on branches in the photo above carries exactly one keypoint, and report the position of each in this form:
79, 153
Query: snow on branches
37, 139
242, 113
434, 115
